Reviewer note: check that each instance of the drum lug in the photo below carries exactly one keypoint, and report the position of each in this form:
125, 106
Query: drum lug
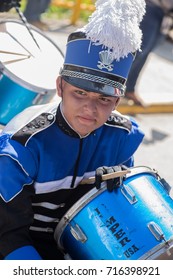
1, 74
78, 233
156, 231
129, 194
167, 187
67, 257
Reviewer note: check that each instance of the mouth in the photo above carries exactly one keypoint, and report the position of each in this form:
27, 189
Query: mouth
86, 119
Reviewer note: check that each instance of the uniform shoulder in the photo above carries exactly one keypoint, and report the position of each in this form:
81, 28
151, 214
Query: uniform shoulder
30, 122
116, 119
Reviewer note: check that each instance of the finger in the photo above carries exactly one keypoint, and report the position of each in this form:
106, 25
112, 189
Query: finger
98, 177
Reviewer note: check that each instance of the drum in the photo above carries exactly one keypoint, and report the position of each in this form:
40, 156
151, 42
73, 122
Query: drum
27, 72
133, 222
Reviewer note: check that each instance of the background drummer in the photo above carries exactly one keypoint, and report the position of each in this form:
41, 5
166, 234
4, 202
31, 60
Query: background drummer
45, 159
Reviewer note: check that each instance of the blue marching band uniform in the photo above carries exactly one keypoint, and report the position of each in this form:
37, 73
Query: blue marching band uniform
43, 177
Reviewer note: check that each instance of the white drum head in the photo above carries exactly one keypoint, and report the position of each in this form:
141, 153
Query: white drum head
24, 62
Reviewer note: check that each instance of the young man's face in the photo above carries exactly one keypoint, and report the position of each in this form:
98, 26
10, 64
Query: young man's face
85, 111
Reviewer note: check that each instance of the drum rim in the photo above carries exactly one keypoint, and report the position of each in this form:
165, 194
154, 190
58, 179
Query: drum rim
135, 170
20, 82
85, 199
13, 77
155, 250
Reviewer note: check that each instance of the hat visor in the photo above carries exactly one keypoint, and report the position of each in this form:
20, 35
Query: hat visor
94, 86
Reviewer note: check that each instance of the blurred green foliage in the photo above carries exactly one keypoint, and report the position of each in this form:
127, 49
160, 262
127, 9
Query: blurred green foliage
59, 12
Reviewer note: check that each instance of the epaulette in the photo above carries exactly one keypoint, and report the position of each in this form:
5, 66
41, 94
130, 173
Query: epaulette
118, 120
38, 124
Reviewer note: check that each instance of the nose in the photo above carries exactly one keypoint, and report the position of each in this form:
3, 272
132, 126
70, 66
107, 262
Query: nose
90, 104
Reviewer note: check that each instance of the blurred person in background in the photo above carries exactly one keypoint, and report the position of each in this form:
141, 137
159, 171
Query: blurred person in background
33, 12
151, 28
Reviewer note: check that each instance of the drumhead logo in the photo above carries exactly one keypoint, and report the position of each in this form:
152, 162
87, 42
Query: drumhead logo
120, 235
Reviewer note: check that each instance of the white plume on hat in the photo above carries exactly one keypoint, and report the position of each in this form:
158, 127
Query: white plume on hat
115, 25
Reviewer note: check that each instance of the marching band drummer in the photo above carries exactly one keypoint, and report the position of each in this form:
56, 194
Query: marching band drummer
45, 154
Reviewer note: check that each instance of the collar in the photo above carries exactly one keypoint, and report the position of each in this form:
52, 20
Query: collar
64, 125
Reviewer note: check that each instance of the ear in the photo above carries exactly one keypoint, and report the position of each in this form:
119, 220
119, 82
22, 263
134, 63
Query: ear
59, 86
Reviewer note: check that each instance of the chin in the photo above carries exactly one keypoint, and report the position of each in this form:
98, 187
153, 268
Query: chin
84, 132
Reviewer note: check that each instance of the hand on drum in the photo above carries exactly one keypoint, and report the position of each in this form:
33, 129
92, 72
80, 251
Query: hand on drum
6, 5
113, 182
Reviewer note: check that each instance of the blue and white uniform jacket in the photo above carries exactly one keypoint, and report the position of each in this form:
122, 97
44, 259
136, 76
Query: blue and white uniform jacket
43, 160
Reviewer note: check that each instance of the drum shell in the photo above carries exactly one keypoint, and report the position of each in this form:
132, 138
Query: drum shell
17, 98
116, 228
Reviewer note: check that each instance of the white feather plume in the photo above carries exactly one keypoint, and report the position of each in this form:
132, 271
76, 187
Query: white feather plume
115, 24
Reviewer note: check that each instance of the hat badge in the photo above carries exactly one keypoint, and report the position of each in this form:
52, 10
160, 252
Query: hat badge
106, 60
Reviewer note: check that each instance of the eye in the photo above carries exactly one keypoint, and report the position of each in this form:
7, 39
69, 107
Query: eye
105, 100
80, 92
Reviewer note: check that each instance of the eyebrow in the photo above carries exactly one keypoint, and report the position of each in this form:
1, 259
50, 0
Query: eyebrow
99, 94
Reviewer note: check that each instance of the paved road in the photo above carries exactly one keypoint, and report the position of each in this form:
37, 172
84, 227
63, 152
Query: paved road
156, 150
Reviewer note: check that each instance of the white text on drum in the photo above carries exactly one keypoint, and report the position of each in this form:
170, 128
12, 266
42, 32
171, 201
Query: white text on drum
120, 235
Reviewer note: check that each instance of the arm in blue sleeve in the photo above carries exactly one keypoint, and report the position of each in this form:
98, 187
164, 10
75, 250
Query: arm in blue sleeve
24, 253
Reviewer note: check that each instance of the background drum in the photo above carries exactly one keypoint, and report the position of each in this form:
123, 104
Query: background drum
27, 72
133, 222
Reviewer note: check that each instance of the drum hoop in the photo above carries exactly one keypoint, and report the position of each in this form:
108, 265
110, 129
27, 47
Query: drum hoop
155, 250
18, 80
141, 169
84, 200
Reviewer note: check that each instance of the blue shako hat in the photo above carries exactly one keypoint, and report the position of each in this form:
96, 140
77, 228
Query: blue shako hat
99, 56
92, 67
